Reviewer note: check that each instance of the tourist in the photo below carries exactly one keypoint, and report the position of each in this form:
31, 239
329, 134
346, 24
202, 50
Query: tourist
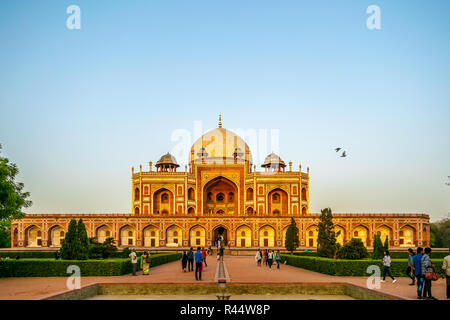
133, 258
409, 268
258, 257
417, 270
427, 265
446, 273
204, 257
270, 259
145, 263
190, 257
387, 267
265, 257
184, 260
198, 264
278, 259
209, 251
221, 253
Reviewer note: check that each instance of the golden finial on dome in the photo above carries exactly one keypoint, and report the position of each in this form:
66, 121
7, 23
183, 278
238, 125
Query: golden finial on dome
220, 120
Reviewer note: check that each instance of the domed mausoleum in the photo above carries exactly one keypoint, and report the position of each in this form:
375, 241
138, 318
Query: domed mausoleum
220, 195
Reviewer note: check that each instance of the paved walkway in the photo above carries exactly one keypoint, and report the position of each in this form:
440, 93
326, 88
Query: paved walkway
241, 269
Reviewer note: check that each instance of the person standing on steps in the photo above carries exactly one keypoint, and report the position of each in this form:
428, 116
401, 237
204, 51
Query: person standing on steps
198, 264
278, 258
387, 267
258, 258
134, 259
270, 259
409, 268
190, 257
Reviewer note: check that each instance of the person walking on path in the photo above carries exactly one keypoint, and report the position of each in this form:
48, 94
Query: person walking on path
417, 270
190, 257
204, 254
198, 264
258, 258
278, 259
133, 258
387, 267
427, 265
409, 268
145, 262
265, 257
270, 259
184, 260
446, 273
221, 253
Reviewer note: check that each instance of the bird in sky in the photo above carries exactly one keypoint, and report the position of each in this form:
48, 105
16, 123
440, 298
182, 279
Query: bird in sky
344, 154
337, 149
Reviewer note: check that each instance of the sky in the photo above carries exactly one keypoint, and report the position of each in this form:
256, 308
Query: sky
80, 107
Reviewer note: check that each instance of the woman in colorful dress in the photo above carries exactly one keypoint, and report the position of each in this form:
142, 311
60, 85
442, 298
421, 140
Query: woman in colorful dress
145, 262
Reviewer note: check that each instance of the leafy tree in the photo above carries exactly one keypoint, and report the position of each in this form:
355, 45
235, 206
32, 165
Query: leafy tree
5, 234
109, 248
101, 250
12, 199
83, 254
386, 243
378, 248
353, 250
126, 252
71, 245
291, 242
326, 239
440, 234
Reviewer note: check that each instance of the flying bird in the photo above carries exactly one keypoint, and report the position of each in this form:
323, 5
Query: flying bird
344, 154
337, 149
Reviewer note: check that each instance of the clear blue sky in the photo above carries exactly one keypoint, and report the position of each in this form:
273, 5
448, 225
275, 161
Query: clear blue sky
79, 108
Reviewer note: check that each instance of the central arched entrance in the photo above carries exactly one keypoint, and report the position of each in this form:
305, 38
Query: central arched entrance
220, 233
220, 197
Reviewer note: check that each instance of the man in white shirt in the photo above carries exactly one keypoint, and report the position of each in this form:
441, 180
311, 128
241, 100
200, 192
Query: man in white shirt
133, 258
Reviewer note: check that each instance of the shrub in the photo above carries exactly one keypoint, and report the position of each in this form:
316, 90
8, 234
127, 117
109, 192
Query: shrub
291, 242
103, 250
58, 268
349, 267
378, 250
83, 254
71, 245
353, 250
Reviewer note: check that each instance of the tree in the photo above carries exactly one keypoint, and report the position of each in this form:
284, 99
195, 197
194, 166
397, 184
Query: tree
12, 199
386, 243
83, 254
378, 248
71, 245
291, 242
326, 239
353, 250
440, 234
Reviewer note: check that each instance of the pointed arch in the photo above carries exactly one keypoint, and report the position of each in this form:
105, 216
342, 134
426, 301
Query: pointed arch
163, 201
56, 234
407, 236
103, 232
127, 235
33, 236
311, 235
197, 235
278, 201
216, 196
361, 232
267, 235
150, 236
174, 236
244, 236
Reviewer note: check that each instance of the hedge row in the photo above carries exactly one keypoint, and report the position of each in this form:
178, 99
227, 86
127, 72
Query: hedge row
393, 254
339, 267
58, 268
51, 254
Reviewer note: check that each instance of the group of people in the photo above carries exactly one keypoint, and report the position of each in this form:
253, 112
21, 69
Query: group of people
421, 271
145, 262
268, 257
187, 259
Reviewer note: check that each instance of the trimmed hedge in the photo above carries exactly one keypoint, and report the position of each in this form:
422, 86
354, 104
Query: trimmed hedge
393, 254
340, 267
51, 254
58, 268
